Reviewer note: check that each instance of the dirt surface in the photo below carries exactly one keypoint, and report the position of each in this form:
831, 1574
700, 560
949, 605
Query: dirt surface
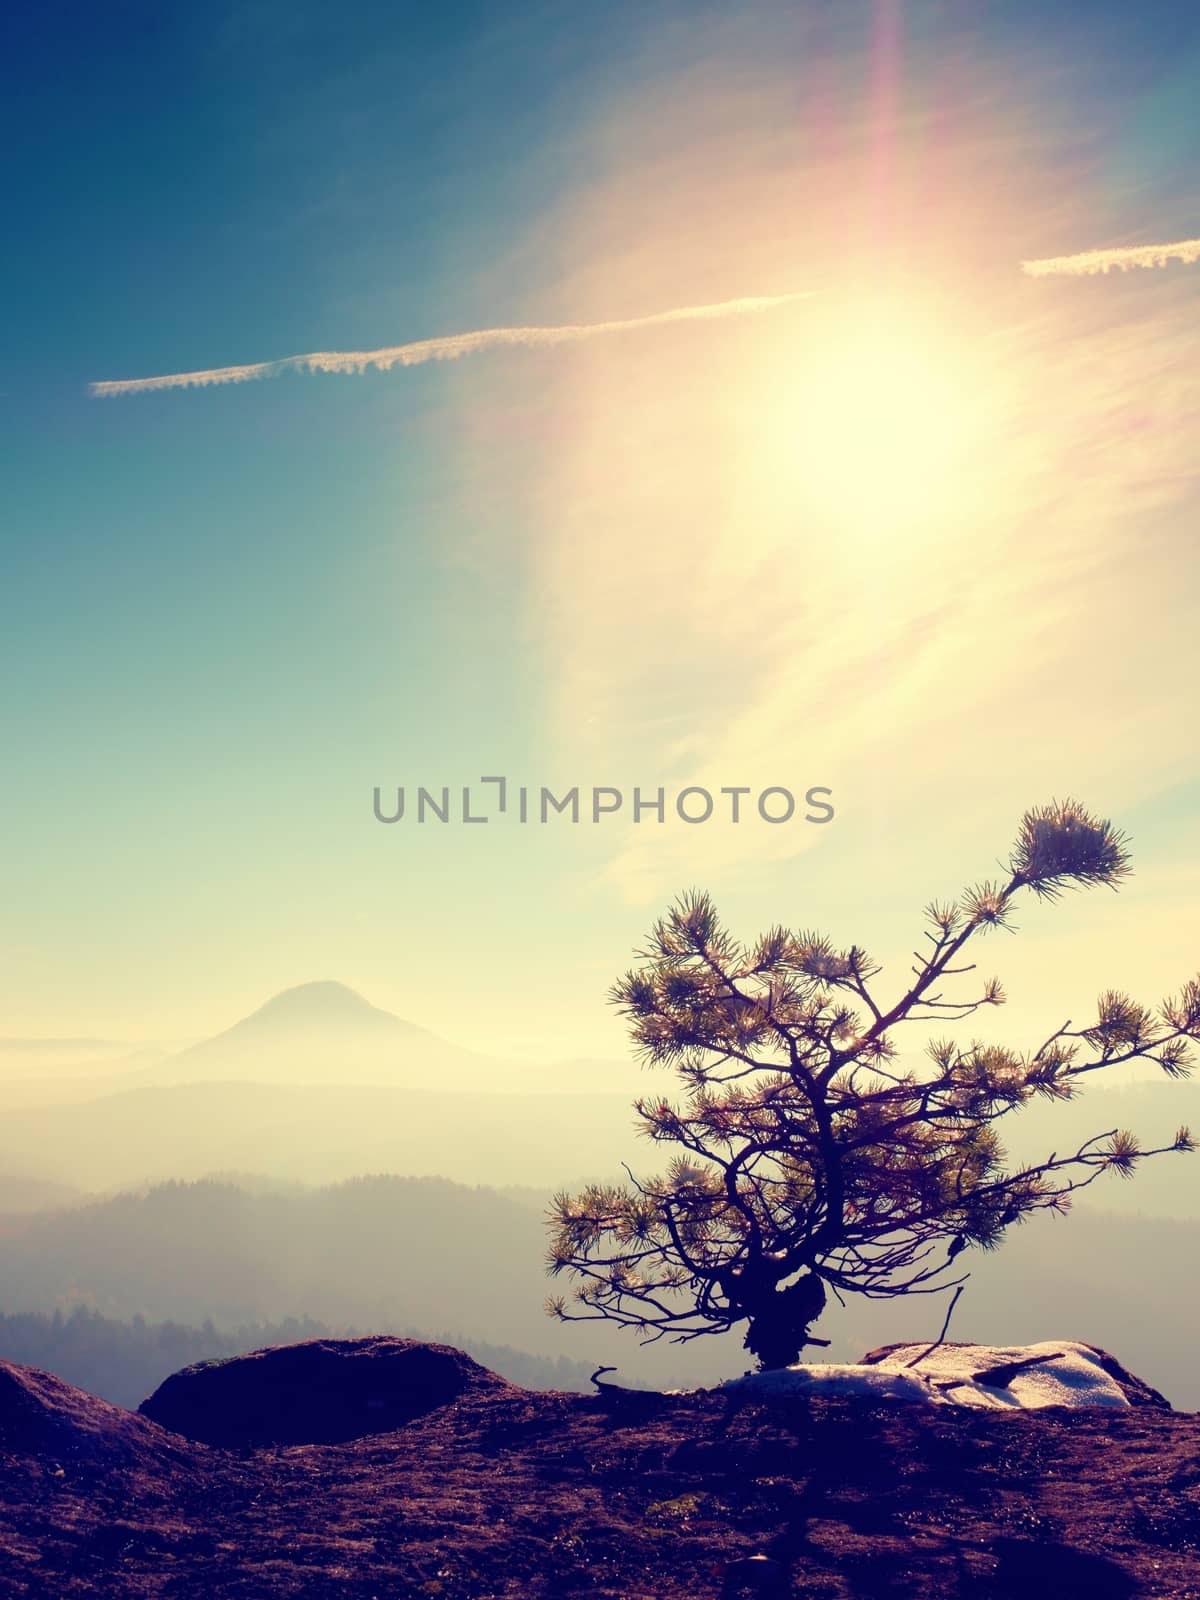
514, 1493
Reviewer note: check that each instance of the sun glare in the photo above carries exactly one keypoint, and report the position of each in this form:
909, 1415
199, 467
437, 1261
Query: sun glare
871, 432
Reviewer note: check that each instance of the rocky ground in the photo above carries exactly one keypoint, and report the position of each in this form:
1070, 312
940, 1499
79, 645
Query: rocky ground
498, 1491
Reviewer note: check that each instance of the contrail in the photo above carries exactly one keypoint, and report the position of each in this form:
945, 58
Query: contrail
448, 348
1092, 261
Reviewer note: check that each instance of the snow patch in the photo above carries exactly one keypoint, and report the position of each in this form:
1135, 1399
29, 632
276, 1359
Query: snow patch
949, 1376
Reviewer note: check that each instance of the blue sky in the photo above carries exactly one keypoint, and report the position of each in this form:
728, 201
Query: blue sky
228, 613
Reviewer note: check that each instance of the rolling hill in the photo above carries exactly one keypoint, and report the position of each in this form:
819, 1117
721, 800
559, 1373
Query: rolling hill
389, 1254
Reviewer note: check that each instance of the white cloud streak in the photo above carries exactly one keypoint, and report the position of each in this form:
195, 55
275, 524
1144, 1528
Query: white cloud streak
448, 348
1090, 262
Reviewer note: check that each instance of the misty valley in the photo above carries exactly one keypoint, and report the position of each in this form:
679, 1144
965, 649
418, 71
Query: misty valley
236, 1184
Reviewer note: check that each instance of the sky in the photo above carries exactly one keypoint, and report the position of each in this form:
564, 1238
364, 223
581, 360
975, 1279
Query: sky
921, 534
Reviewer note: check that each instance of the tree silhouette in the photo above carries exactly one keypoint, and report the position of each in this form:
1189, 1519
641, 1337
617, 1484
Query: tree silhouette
810, 1157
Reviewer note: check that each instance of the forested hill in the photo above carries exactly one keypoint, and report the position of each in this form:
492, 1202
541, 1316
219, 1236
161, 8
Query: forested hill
125, 1361
390, 1254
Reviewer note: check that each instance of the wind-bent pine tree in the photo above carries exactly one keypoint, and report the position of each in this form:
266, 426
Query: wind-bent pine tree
809, 1157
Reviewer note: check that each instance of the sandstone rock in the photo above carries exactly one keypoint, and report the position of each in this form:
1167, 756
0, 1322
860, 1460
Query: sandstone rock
56, 1423
323, 1391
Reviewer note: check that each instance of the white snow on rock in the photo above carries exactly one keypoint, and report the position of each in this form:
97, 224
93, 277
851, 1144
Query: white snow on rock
948, 1376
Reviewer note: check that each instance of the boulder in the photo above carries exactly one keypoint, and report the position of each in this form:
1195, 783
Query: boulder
322, 1391
52, 1421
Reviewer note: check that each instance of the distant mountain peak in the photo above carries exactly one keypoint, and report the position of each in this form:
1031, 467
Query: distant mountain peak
323, 997
318, 1008
324, 1032
325, 1016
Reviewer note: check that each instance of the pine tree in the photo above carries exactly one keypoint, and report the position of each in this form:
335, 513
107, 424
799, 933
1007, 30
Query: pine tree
808, 1156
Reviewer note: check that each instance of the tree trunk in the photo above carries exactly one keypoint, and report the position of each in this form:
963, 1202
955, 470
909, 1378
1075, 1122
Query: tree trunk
779, 1324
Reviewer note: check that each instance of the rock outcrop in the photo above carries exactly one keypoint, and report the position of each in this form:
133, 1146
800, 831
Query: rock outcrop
323, 1391
531, 1496
43, 1418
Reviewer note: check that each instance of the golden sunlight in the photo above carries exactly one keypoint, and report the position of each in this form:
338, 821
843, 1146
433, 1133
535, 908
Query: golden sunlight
871, 431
